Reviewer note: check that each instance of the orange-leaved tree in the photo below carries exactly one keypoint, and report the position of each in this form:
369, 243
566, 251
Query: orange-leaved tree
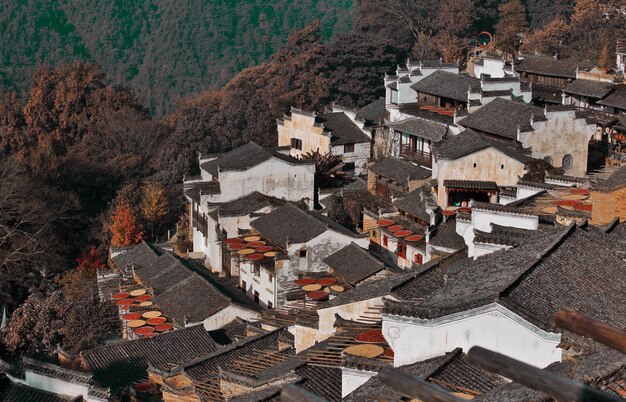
154, 205
90, 260
125, 228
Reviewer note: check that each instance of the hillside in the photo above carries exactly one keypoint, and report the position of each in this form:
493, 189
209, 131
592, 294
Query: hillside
163, 50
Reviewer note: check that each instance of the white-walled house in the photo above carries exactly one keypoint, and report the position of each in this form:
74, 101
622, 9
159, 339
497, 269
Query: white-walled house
301, 240
337, 132
554, 133
232, 186
506, 301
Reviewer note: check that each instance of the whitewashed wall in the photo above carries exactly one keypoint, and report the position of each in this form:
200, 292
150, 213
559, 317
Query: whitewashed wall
352, 379
493, 327
227, 315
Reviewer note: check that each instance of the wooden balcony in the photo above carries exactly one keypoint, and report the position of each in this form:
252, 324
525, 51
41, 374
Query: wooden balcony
419, 157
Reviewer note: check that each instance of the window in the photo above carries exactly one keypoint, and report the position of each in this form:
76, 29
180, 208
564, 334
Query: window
269, 304
347, 148
385, 241
302, 253
256, 297
257, 270
418, 259
394, 96
502, 166
401, 251
568, 161
296, 143
243, 285
474, 164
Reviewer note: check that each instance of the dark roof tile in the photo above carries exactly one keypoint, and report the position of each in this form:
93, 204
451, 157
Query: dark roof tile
354, 263
589, 88
343, 130
447, 85
427, 129
399, 171
550, 66
501, 117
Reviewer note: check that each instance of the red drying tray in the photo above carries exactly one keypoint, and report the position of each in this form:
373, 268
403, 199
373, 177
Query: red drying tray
403, 233
448, 212
413, 238
385, 222
583, 207
156, 320
233, 240
131, 316
144, 330
143, 298
124, 302
305, 281
264, 249
255, 244
579, 191
568, 203
395, 228
317, 295
255, 257
163, 327
388, 353
120, 296
326, 281
371, 336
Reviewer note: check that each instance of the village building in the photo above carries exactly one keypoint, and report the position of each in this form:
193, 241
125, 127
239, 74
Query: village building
548, 70
491, 65
241, 177
554, 133
470, 167
609, 198
615, 102
620, 54
334, 133
506, 301
299, 241
392, 178
586, 93
172, 284
419, 205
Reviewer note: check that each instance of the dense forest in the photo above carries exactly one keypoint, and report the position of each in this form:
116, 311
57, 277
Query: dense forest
163, 50
85, 164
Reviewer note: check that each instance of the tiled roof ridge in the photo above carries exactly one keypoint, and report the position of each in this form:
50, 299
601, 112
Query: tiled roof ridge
226, 349
542, 253
253, 381
34, 364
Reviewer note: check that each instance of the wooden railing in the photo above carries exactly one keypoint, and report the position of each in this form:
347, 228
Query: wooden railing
420, 157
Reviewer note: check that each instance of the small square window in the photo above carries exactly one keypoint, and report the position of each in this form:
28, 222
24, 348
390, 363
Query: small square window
347, 148
385, 241
269, 305
302, 253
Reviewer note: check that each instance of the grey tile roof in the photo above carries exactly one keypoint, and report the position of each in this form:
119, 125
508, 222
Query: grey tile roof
289, 223
399, 171
248, 204
543, 93
354, 264
451, 371
413, 109
471, 184
457, 146
245, 157
416, 201
427, 129
501, 117
589, 88
614, 182
445, 235
550, 66
124, 363
617, 98
15, 392
322, 381
373, 113
505, 235
344, 130
173, 283
560, 269
371, 290
446, 84
597, 369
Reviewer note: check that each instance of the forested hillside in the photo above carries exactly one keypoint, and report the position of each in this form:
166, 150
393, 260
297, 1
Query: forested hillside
164, 50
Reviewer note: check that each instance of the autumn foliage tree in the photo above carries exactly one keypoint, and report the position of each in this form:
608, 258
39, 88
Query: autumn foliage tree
90, 260
511, 23
125, 229
154, 205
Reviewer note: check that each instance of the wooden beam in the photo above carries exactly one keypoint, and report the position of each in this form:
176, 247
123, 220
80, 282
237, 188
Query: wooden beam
293, 393
560, 388
414, 387
598, 331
